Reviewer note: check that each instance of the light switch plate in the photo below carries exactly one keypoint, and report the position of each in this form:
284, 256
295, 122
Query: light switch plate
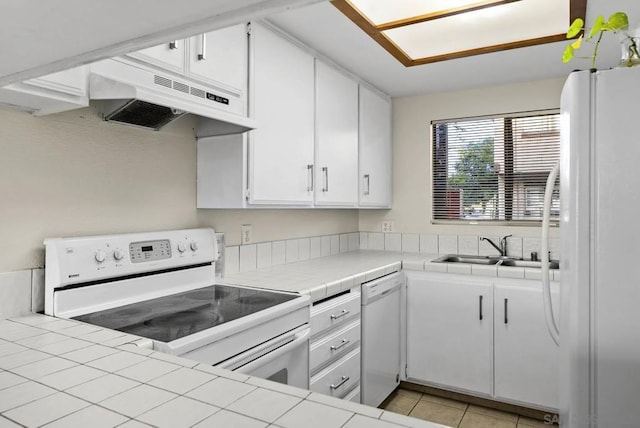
247, 234
388, 226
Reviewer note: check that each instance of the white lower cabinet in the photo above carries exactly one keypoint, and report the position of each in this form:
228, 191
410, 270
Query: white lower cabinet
334, 355
326, 348
450, 331
483, 336
526, 358
354, 395
339, 379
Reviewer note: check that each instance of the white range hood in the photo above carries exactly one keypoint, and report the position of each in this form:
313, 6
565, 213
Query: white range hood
143, 97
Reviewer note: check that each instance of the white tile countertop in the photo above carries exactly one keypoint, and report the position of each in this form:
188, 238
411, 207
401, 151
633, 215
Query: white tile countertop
64, 373
326, 276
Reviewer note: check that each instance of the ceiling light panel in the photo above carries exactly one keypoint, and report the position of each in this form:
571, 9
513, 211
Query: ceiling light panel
498, 25
383, 11
423, 31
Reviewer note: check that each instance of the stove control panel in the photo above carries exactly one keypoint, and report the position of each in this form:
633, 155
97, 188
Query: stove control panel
111, 269
147, 251
94, 258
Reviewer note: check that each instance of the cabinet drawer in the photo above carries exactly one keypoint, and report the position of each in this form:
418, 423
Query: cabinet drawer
334, 312
339, 378
335, 345
354, 395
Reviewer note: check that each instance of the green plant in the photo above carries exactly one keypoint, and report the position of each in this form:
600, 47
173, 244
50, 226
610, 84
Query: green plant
617, 23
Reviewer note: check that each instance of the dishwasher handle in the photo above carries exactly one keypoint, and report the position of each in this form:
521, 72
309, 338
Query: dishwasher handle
380, 289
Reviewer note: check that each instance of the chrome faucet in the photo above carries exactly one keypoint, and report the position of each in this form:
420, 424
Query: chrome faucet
502, 249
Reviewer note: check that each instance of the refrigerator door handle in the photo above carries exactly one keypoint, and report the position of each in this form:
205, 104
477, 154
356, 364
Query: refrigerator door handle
552, 326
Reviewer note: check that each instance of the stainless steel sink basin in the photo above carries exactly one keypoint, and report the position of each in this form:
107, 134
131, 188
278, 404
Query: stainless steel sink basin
553, 264
476, 260
491, 260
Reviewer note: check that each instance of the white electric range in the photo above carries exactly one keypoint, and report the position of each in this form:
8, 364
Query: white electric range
161, 285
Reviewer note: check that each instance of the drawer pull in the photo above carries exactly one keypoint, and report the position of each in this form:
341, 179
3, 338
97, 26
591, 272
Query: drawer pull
342, 382
340, 315
506, 311
203, 48
344, 342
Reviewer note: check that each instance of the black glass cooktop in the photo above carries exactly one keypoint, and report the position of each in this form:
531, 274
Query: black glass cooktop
169, 318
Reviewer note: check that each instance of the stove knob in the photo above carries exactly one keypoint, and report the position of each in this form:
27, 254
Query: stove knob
194, 246
118, 255
181, 247
100, 256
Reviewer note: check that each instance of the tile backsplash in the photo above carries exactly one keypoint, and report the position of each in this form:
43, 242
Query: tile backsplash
292, 250
245, 258
22, 291
517, 246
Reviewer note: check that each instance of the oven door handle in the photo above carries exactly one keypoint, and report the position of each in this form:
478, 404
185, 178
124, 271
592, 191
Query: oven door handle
266, 353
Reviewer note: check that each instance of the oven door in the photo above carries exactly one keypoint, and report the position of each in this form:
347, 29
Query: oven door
284, 359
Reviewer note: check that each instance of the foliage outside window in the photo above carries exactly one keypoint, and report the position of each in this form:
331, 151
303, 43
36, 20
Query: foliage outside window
494, 168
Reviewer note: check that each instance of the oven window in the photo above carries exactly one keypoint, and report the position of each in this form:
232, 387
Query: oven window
281, 376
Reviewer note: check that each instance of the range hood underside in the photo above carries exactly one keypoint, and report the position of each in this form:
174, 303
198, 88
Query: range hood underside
143, 98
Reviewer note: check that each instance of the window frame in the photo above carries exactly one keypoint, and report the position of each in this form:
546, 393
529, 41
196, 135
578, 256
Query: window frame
433, 161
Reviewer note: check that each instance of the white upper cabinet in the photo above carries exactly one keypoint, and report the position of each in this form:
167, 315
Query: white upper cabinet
336, 138
320, 139
526, 357
216, 61
220, 58
169, 56
281, 167
53, 93
375, 149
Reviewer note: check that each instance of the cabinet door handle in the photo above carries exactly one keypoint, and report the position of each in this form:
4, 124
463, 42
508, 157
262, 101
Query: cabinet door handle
506, 311
343, 342
325, 171
367, 181
340, 315
173, 45
203, 48
342, 382
480, 308
310, 178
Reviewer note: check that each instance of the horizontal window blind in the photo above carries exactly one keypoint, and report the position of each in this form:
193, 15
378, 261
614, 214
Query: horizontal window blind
494, 168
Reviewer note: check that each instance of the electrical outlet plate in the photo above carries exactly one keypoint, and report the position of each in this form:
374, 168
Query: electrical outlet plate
388, 226
247, 234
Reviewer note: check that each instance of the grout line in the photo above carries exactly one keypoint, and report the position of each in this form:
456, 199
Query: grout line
463, 415
414, 406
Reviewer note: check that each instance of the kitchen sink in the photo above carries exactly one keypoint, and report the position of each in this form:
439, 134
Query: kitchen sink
475, 260
553, 264
494, 260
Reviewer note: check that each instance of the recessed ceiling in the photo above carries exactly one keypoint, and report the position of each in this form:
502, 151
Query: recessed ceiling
418, 32
335, 37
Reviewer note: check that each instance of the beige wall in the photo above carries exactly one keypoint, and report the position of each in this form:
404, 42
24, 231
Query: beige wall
72, 174
412, 116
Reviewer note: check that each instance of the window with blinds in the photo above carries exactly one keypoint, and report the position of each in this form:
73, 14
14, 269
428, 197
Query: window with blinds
495, 168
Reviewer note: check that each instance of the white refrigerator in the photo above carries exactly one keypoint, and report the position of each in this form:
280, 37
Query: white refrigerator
599, 328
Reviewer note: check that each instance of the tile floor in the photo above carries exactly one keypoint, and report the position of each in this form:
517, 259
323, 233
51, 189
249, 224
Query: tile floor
454, 413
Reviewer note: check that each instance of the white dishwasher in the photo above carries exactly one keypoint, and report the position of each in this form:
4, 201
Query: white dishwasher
381, 330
